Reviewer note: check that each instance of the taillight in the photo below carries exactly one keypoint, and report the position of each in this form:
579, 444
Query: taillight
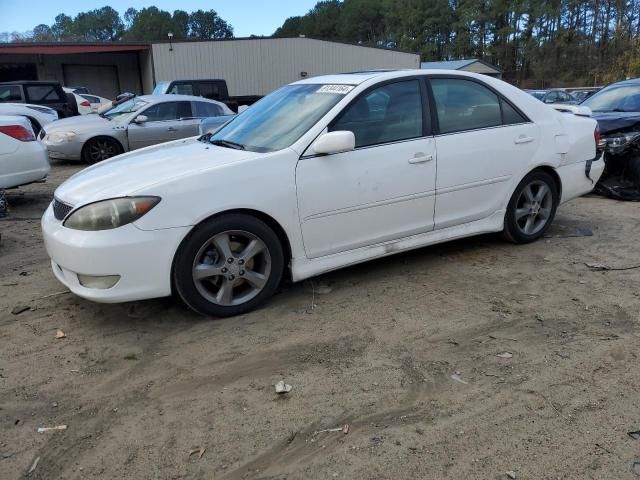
85, 104
18, 132
601, 143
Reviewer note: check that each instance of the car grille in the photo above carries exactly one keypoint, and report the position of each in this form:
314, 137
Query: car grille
60, 209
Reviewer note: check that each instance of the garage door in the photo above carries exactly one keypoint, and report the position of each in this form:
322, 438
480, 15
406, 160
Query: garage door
101, 80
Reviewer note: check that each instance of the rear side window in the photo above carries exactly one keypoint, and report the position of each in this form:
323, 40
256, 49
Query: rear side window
386, 114
463, 105
209, 90
182, 89
551, 97
510, 115
43, 93
10, 93
203, 109
168, 111
91, 98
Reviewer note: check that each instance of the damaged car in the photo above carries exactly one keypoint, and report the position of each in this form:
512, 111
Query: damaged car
321, 174
617, 111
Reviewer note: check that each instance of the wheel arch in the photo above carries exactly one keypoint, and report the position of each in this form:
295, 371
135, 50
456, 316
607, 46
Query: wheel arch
554, 174
266, 218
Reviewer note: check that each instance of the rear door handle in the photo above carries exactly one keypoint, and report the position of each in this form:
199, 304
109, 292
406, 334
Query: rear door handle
171, 129
521, 140
420, 158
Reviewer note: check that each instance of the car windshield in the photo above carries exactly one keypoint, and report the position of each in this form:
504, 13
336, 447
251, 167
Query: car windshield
281, 118
125, 111
621, 98
161, 88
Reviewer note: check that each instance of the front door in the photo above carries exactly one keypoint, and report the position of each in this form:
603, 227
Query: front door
163, 124
381, 191
484, 144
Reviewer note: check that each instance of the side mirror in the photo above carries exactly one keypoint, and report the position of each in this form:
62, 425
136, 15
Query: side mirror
335, 142
140, 119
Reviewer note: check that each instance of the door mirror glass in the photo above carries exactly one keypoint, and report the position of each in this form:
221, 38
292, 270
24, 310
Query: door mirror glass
335, 142
141, 119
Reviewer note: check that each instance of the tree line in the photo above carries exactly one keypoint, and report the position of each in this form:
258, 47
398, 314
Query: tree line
105, 25
534, 42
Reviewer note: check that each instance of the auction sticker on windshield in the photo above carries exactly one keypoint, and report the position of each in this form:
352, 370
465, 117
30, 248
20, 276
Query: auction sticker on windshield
339, 89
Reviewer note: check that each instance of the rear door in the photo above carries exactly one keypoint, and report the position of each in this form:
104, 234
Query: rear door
484, 144
162, 125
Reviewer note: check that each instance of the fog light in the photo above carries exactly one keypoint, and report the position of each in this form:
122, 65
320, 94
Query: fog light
93, 281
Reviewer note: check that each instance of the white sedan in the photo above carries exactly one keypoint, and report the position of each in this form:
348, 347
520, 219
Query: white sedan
22, 159
39, 116
322, 173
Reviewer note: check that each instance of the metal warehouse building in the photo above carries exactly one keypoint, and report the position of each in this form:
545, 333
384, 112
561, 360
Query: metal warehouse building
252, 66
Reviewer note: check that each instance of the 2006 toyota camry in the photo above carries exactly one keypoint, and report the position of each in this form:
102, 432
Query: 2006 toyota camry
322, 173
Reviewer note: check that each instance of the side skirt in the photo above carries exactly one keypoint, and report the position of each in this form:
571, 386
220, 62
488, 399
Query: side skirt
302, 268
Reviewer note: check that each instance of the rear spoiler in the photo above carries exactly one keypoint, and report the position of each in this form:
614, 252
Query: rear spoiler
575, 109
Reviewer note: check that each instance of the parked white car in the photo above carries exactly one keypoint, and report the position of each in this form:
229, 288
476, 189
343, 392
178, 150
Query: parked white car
38, 115
321, 174
84, 106
22, 159
96, 102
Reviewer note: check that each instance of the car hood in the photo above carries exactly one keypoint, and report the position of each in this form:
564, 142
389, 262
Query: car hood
610, 122
81, 124
132, 172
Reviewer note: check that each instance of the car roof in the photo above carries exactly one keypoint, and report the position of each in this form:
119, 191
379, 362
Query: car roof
631, 81
357, 78
172, 97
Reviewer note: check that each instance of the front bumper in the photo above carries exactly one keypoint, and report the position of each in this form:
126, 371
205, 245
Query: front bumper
141, 258
65, 151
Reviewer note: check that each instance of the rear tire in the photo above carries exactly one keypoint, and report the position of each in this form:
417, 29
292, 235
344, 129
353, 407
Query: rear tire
532, 208
228, 265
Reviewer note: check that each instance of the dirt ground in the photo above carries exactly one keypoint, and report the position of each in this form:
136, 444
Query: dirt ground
141, 386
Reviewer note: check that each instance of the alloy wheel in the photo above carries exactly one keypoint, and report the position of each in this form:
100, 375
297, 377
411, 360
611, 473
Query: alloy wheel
100, 150
534, 207
231, 268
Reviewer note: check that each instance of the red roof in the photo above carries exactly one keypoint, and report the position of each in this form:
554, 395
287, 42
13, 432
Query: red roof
62, 48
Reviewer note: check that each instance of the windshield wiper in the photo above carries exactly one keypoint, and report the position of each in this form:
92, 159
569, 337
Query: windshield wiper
228, 144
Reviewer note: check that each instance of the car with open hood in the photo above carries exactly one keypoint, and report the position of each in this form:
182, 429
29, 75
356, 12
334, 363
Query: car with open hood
323, 173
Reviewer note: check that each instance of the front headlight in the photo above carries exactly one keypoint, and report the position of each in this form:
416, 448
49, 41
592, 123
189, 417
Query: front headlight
622, 139
109, 214
58, 138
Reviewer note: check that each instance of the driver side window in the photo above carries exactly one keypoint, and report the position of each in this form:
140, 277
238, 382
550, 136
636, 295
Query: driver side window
386, 114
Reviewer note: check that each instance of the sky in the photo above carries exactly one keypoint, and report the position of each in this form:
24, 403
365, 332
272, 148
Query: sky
258, 17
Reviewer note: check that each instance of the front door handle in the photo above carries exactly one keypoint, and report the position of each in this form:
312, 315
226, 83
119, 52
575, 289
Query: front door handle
171, 129
420, 157
523, 139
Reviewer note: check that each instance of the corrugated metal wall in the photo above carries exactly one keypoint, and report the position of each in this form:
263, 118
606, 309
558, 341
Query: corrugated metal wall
258, 66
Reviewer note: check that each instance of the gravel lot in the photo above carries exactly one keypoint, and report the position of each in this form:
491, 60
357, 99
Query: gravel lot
142, 385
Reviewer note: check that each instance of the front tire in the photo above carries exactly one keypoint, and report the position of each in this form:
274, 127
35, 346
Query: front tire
228, 265
532, 208
99, 149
